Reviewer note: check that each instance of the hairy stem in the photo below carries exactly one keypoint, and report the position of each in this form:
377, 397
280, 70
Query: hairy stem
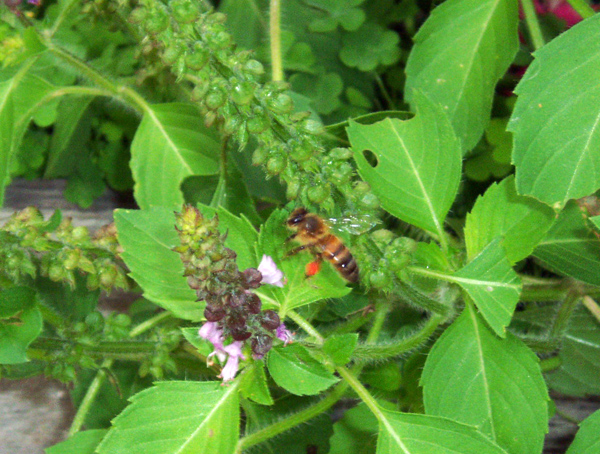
564, 314
275, 39
592, 306
306, 326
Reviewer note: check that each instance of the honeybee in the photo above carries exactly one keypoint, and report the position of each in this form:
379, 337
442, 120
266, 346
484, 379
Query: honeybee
314, 234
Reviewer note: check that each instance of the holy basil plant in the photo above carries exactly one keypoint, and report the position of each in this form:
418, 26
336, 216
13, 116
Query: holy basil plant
309, 269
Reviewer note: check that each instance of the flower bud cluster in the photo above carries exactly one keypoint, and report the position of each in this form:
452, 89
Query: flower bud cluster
31, 246
212, 272
228, 88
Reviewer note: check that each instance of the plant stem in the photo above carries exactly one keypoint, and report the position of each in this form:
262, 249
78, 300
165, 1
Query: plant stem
533, 24
592, 306
89, 397
550, 364
564, 314
566, 416
125, 350
150, 323
582, 8
275, 39
306, 326
362, 392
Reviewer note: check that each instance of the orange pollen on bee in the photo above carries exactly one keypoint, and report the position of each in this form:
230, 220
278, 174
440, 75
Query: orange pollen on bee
313, 268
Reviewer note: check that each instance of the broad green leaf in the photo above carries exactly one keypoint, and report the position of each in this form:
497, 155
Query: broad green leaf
85, 183
253, 384
473, 377
170, 145
587, 440
81, 443
177, 418
296, 371
493, 285
69, 137
298, 289
355, 432
20, 91
556, 117
403, 433
595, 220
148, 238
459, 54
418, 164
17, 333
520, 221
16, 299
72, 304
384, 377
369, 47
340, 347
571, 248
579, 372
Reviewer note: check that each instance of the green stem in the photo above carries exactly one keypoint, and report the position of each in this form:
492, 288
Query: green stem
362, 392
384, 92
275, 38
533, 24
582, 8
125, 350
149, 324
592, 306
366, 352
306, 326
90, 396
564, 314
550, 364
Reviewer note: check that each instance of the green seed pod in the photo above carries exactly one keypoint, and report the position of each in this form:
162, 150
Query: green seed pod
361, 188
72, 259
92, 282
198, 57
157, 20
107, 277
276, 164
318, 193
138, 15
172, 53
300, 152
340, 154
184, 11
312, 126
258, 123
369, 201
382, 236
80, 234
242, 92
281, 104
342, 172
95, 321
399, 261
215, 98
380, 280
293, 188
56, 272
255, 67
220, 40
199, 92
405, 245
259, 156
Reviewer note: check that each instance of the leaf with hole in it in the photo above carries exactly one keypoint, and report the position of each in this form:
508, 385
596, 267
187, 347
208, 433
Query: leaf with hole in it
493, 285
170, 145
587, 441
460, 53
148, 238
556, 120
177, 417
84, 442
571, 248
296, 371
418, 166
520, 221
473, 377
404, 433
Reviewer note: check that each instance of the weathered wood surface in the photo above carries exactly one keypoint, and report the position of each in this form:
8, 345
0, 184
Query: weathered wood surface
36, 413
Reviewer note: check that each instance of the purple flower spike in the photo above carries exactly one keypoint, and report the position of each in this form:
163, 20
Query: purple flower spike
284, 334
234, 350
270, 273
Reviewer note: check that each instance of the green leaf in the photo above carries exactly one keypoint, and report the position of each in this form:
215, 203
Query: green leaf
298, 290
343, 13
253, 384
473, 377
370, 46
85, 183
81, 443
421, 434
170, 145
340, 347
595, 220
556, 117
579, 372
177, 417
520, 221
355, 432
385, 377
70, 136
459, 54
296, 371
493, 285
571, 248
324, 90
148, 238
17, 333
587, 440
16, 299
418, 164
72, 304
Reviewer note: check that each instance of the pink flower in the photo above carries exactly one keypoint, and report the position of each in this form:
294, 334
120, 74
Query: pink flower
284, 334
232, 352
270, 273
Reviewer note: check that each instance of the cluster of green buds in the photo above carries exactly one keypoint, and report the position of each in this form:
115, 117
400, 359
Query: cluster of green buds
227, 86
232, 309
54, 248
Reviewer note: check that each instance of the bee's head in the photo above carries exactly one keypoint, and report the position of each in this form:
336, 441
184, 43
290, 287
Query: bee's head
297, 216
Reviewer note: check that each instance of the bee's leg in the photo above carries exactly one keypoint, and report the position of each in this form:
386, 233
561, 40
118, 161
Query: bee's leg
291, 237
296, 250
